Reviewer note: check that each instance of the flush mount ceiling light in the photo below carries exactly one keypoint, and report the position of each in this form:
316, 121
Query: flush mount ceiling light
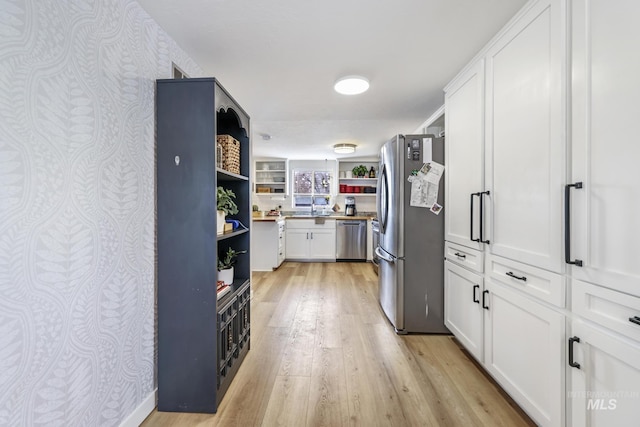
351, 85
344, 148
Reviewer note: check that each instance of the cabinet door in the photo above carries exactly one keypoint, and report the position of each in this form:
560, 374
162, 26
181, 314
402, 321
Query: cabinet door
605, 149
525, 138
322, 245
604, 390
464, 151
524, 352
297, 246
463, 308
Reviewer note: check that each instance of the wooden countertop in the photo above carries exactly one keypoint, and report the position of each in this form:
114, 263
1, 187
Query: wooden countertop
294, 217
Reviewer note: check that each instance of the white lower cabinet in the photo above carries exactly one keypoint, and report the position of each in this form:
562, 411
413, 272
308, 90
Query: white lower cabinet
604, 387
524, 351
463, 313
604, 357
311, 240
267, 245
517, 338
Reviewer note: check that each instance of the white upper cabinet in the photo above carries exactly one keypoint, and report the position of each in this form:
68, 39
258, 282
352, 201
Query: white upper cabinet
525, 137
605, 212
464, 151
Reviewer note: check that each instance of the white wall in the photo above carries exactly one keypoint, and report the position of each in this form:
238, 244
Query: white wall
77, 191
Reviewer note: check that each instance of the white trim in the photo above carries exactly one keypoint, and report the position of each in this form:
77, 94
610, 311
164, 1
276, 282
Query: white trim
435, 116
142, 411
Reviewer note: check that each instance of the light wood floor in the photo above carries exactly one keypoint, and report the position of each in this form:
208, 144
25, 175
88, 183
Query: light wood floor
323, 354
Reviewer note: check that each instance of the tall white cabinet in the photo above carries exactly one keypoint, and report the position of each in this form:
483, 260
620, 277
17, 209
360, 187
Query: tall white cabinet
525, 138
604, 387
542, 279
505, 117
464, 153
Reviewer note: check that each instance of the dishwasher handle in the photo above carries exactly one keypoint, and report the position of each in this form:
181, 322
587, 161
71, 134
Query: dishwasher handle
383, 255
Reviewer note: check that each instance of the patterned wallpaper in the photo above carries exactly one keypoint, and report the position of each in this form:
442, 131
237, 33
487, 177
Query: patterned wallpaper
77, 272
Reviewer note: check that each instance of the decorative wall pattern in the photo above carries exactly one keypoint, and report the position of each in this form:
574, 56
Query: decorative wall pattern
77, 191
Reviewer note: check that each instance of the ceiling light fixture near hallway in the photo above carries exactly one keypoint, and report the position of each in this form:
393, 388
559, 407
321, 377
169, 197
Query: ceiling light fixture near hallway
344, 148
351, 85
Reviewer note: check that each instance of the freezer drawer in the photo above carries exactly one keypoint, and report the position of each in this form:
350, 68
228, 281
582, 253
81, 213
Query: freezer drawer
351, 240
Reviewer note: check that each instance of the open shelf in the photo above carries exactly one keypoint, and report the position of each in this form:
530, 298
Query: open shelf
233, 233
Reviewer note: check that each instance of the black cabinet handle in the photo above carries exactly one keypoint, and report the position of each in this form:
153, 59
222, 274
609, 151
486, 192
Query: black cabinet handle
475, 298
482, 215
484, 305
459, 255
635, 319
510, 274
471, 218
572, 363
480, 196
567, 224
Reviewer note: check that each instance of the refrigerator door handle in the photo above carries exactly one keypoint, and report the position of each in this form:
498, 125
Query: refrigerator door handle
383, 200
384, 256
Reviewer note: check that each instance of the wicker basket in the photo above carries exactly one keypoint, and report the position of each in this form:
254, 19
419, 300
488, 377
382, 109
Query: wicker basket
231, 153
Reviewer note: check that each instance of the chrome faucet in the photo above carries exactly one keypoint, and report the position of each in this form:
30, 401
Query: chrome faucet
313, 208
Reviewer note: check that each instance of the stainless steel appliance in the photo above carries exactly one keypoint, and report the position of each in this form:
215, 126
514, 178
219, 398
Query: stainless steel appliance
351, 240
350, 206
375, 239
411, 248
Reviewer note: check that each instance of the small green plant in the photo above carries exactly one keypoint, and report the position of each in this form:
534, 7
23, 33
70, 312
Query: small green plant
360, 170
225, 201
229, 260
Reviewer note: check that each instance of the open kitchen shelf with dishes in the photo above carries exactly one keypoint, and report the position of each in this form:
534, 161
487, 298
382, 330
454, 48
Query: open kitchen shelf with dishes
202, 340
270, 176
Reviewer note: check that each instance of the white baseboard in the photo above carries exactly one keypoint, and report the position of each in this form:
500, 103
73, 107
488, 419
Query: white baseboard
142, 411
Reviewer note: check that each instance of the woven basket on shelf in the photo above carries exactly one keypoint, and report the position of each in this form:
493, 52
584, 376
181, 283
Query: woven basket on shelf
231, 153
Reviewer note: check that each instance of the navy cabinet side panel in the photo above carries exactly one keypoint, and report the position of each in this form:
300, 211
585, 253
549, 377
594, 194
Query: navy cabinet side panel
186, 182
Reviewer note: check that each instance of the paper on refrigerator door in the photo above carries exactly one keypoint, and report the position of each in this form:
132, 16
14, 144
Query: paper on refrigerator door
425, 184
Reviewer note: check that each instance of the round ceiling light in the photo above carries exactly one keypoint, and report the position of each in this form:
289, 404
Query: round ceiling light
344, 148
351, 85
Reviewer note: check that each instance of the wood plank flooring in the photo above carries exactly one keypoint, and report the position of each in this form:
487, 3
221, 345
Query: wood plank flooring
323, 354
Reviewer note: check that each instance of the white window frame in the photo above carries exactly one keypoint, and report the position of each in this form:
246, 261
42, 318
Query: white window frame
319, 199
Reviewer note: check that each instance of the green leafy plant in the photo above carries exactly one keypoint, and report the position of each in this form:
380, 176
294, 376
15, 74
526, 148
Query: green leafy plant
360, 170
225, 201
230, 259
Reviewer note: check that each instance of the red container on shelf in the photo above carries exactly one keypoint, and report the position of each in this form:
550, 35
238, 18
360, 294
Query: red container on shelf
349, 189
343, 188
357, 189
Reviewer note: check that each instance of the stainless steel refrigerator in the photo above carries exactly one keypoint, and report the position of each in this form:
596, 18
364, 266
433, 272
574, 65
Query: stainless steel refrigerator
411, 245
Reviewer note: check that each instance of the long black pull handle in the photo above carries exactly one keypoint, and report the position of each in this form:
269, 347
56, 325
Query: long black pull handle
476, 299
471, 218
459, 255
572, 363
634, 319
567, 224
484, 302
510, 274
482, 216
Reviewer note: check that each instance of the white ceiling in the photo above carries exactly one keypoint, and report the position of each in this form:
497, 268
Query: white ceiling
280, 58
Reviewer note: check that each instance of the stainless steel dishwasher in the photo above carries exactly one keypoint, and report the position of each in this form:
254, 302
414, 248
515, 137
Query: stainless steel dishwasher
351, 240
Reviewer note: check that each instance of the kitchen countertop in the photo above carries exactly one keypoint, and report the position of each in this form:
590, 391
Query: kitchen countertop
294, 217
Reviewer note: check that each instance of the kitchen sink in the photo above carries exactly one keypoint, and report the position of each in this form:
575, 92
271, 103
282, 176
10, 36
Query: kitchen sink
311, 215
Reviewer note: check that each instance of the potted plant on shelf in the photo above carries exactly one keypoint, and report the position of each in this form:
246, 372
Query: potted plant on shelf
359, 171
225, 265
226, 206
